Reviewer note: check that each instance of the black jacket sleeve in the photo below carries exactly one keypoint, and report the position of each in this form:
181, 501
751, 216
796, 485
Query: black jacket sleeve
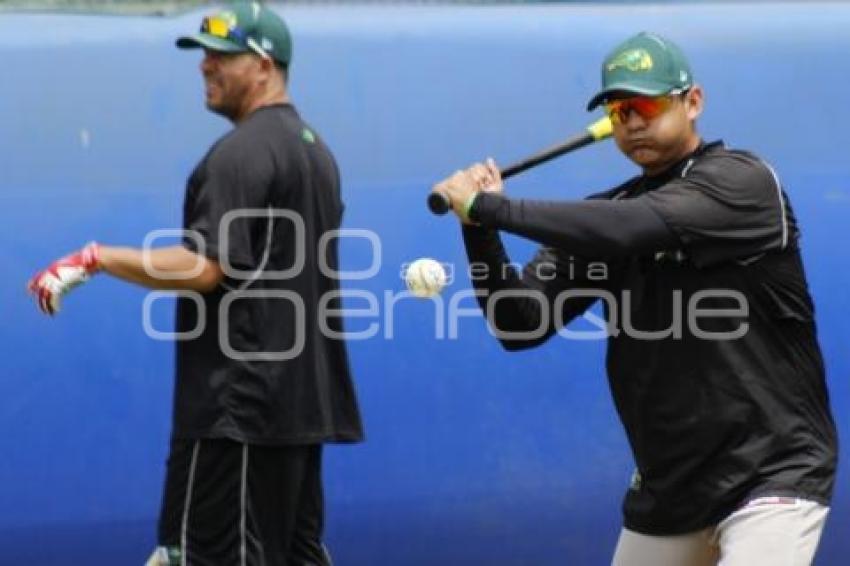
590, 228
526, 309
729, 206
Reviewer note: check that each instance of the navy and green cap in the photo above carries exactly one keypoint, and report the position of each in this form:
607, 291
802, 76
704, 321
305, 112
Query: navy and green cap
646, 64
243, 27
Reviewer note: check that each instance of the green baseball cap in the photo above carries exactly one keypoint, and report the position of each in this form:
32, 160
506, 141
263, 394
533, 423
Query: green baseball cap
242, 27
646, 64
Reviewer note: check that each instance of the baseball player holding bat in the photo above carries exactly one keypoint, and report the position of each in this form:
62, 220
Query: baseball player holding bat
712, 359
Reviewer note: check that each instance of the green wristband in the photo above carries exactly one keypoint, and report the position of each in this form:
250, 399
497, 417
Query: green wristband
468, 206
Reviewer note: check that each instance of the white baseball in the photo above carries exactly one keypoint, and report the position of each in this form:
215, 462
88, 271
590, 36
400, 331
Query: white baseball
425, 277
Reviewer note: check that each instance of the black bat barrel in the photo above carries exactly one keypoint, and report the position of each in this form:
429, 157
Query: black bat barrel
439, 203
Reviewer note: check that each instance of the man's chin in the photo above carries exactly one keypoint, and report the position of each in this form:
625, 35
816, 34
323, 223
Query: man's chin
217, 108
643, 155
653, 164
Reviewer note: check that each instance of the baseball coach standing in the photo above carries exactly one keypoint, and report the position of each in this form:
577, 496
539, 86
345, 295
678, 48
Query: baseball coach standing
259, 386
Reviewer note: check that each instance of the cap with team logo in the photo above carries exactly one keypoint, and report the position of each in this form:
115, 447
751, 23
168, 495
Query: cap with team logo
242, 27
646, 64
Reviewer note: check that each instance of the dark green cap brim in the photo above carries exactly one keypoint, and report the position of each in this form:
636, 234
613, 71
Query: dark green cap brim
207, 41
645, 89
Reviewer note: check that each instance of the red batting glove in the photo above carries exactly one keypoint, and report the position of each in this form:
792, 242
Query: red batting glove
62, 275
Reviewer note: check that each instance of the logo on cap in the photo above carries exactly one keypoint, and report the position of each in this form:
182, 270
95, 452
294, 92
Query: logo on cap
633, 60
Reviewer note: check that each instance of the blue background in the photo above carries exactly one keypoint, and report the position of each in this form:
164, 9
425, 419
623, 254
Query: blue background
474, 455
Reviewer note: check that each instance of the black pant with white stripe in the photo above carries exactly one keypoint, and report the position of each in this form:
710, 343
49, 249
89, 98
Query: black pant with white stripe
227, 503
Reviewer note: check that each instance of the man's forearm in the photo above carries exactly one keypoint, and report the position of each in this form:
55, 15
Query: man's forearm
491, 271
173, 268
588, 228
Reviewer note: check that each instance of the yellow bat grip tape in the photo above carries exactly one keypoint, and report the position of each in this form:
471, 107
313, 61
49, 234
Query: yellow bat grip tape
601, 129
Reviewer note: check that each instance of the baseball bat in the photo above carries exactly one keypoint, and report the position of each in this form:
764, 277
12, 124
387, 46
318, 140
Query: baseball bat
599, 130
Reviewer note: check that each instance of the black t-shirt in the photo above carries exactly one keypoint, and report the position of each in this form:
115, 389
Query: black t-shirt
712, 358
264, 362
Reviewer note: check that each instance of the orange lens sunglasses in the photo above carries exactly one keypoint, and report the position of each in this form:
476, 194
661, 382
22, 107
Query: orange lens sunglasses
647, 107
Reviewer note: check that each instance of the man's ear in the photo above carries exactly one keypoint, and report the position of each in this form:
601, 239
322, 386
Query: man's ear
267, 68
695, 100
